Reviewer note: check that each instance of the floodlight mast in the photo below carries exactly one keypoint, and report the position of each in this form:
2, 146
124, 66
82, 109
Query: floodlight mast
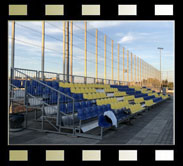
160, 48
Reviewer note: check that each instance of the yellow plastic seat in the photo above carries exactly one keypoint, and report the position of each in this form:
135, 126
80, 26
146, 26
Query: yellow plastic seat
149, 103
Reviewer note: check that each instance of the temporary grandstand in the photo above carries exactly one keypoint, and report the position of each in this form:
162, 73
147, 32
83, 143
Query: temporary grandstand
69, 104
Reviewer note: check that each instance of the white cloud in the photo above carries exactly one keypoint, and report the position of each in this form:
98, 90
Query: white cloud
133, 36
127, 38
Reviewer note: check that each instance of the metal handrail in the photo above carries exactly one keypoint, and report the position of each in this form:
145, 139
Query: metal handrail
26, 69
73, 75
45, 85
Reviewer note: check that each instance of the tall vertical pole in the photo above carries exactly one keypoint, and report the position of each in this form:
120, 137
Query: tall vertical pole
160, 66
67, 51
127, 65
13, 49
104, 58
112, 62
96, 54
42, 49
140, 71
135, 67
131, 67
123, 64
64, 51
85, 49
118, 62
71, 51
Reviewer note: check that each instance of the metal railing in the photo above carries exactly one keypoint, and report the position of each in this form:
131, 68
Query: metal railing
72, 78
49, 100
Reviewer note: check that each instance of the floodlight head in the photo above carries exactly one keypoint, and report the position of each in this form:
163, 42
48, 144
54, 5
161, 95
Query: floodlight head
160, 48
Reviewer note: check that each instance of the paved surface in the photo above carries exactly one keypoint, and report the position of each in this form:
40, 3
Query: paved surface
152, 127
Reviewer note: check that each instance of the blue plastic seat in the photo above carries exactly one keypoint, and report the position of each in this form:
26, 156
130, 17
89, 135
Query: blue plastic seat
28, 83
17, 83
34, 83
77, 106
89, 103
87, 113
69, 107
108, 106
39, 91
67, 99
81, 114
49, 83
46, 91
75, 96
99, 110
103, 123
67, 90
83, 104
61, 89
31, 90
55, 84
92, 112
53, 98
62, 98
95, 109
80, 96
63, 108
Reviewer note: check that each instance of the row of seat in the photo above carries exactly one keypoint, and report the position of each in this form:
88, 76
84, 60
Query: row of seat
156, 100
139, 100
110, 89
149, 103
106, 101
77, 85
119, 93
131, 97
82, 90
164, 96
91, 96
92, 112
140, 95
135, 108
68, 108
119, 105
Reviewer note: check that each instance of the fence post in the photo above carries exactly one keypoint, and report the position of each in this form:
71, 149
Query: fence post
123, 64
140, 72
64, 51
67, 51
112, 62
128, 66
71, 52
118, 62
131, 68
85, 49
105, 59
13, 49
96, 55
135, 67
43, 46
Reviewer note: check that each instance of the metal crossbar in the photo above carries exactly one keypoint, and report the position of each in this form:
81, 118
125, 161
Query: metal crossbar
40, 102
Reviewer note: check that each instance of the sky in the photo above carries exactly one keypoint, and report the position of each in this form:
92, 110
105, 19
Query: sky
141, 38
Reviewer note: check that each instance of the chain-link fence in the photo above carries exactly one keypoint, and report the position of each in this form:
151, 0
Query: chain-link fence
78, 48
